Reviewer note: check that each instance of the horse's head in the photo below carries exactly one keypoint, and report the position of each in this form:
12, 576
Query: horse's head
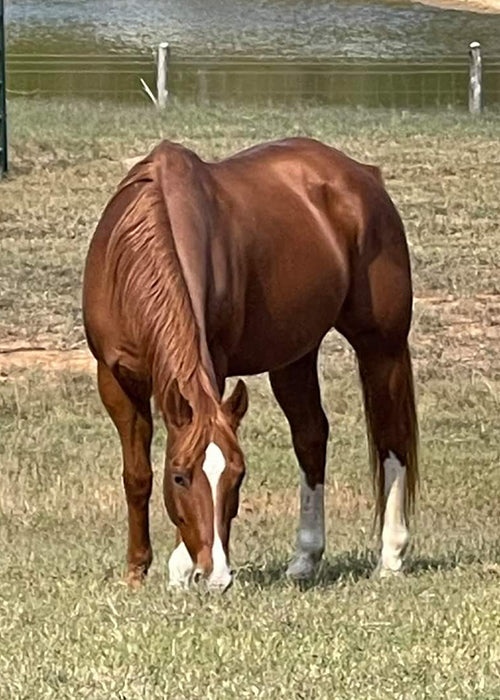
203, 473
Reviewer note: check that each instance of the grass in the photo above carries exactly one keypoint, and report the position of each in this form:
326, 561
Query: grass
69, 627
441, 170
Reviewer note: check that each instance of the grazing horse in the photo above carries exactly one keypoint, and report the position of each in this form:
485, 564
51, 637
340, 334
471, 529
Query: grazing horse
201, 271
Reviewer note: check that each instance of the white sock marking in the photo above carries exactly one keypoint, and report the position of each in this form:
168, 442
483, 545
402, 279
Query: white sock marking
213, 467
395, 534
311, 532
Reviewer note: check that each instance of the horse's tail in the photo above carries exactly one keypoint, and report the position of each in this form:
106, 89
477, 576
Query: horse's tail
146, 277
391, 421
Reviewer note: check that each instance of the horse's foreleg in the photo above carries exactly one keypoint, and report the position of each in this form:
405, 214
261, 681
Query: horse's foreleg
297, 390
132, 417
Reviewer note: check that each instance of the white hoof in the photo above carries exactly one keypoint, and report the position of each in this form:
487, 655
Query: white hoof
384, 572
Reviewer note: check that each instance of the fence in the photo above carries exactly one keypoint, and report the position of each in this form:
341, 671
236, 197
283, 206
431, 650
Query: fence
427, 82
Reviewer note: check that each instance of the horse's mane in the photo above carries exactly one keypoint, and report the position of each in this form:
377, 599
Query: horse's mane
149, 288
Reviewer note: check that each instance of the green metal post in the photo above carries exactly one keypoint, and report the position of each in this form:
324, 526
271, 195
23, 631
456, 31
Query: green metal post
3, 91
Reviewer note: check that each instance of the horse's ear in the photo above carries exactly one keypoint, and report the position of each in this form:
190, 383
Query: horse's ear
235, 406
179, 411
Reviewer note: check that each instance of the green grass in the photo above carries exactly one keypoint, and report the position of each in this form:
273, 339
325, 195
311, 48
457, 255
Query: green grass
69, 628
72, 629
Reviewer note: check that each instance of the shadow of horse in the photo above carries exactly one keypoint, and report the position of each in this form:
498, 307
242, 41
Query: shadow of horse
351, 566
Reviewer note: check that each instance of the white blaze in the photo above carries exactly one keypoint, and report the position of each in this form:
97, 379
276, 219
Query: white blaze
213, 467
395, 534
180, 565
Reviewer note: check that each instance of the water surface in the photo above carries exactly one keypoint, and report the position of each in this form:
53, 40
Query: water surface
371, 28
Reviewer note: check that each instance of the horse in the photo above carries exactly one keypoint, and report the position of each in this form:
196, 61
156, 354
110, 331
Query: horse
199, 271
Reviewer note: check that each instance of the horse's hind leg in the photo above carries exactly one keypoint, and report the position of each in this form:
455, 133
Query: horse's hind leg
392, 425
297, 390
131, 413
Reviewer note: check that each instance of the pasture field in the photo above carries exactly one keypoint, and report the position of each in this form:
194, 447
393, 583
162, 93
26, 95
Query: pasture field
69, 628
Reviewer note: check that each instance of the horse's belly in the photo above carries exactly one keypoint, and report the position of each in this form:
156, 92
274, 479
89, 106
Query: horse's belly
271, 355
271, 341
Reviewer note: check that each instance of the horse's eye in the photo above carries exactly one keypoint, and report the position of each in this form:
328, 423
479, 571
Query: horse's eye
181, 480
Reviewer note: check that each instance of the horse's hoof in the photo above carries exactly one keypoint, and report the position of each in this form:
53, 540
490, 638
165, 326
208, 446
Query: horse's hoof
302, 568
135, 579
383, 572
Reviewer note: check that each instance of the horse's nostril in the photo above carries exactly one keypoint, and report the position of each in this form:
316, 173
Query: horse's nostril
197, 576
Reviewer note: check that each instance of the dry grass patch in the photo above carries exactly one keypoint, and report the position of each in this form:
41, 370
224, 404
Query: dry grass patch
441, 169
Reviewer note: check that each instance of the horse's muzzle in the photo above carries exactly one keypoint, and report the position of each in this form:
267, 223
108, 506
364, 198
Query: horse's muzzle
215, 582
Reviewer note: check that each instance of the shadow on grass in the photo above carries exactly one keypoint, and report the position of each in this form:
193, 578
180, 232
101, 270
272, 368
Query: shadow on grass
489, 556
353, 566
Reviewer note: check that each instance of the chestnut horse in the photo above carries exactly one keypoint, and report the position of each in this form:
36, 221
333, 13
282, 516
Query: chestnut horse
201, 271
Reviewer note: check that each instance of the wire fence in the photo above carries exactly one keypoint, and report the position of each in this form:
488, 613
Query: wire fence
426, 82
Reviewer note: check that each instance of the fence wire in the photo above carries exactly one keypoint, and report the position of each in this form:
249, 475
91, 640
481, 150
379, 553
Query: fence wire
428, 81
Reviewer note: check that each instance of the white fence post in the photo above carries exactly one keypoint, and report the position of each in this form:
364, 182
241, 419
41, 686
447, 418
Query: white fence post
162, 75
475, 78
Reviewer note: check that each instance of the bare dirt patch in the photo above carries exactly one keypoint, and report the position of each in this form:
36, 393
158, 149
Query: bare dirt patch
484, 6
51, 360
448, 330
459, 331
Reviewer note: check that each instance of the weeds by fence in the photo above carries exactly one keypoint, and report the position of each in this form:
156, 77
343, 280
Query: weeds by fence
429, 81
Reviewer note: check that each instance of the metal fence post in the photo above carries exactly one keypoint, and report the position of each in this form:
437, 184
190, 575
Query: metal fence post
162, 74
475, 78
3, 104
